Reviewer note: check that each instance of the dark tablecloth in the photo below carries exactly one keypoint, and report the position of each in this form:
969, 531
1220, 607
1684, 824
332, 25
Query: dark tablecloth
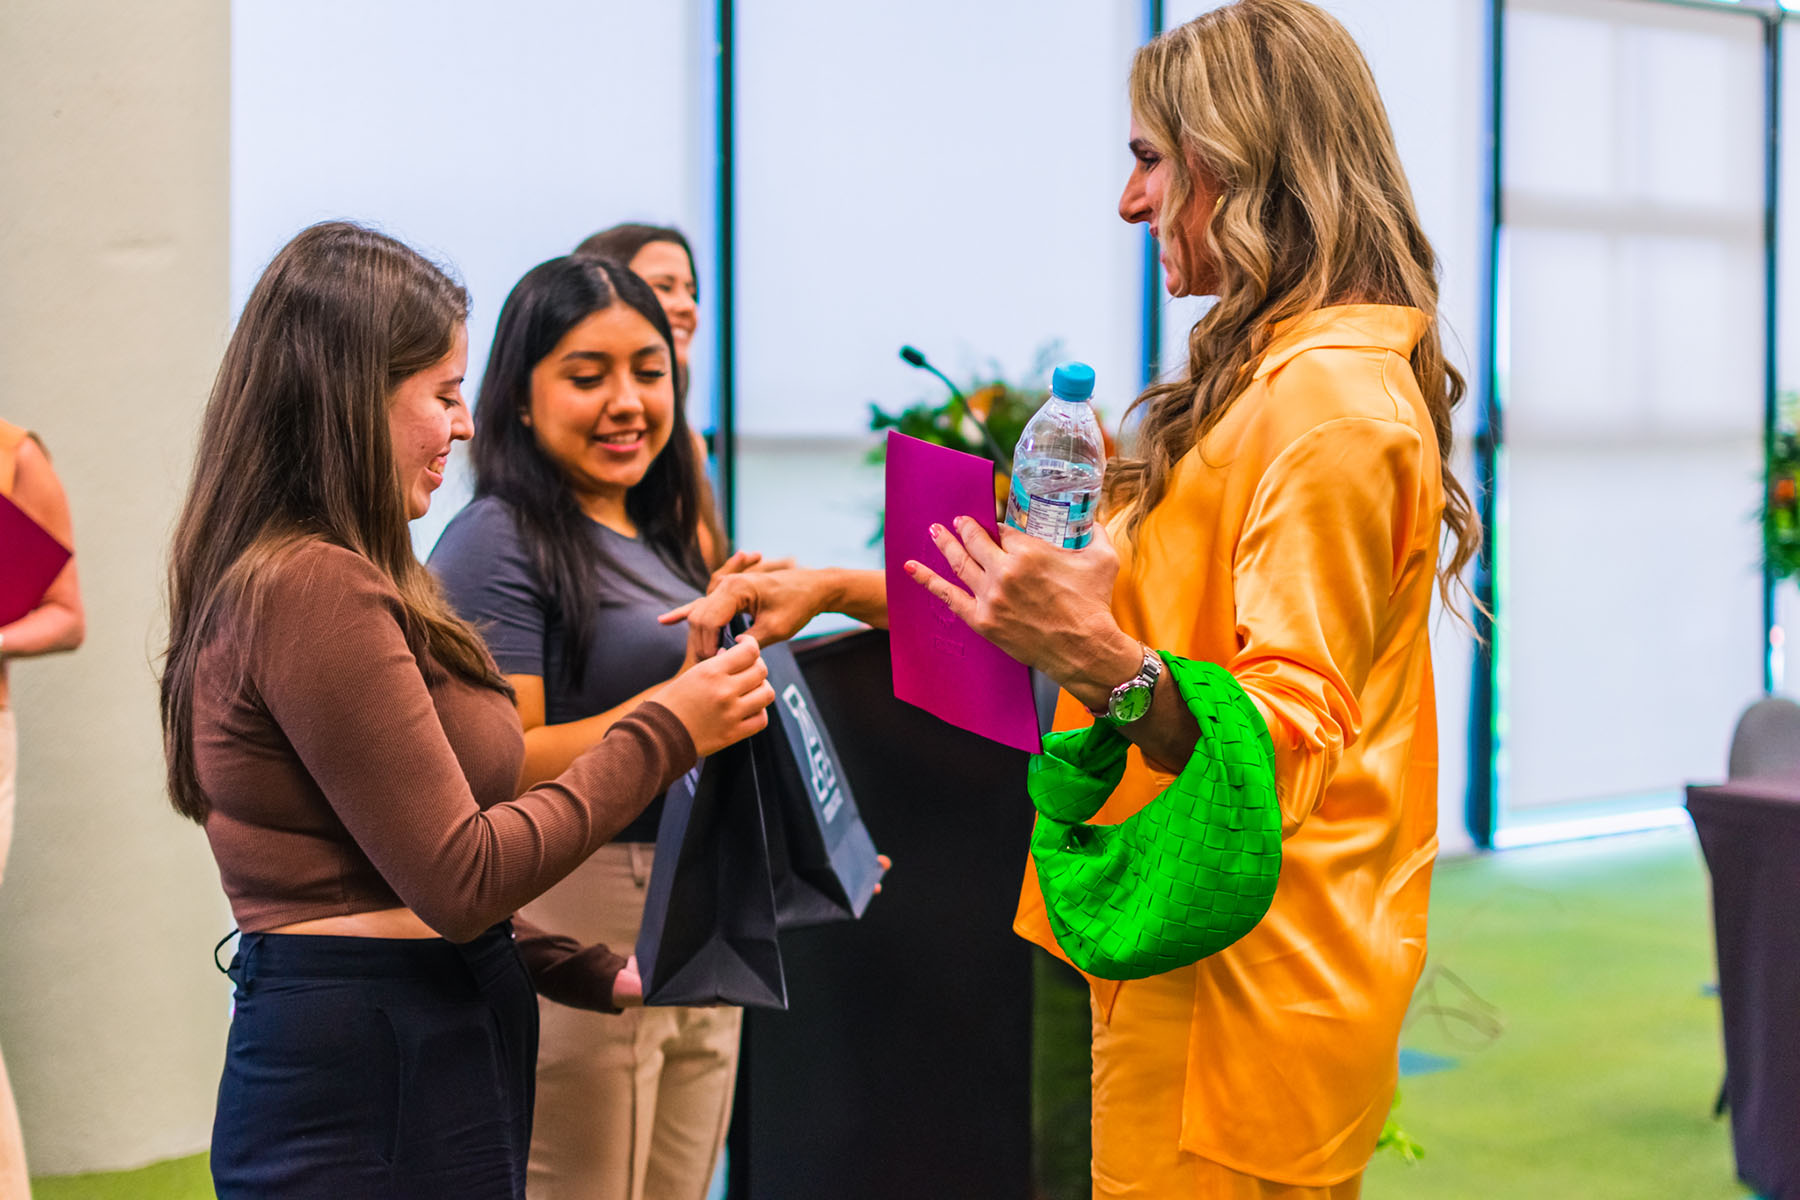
1750, 833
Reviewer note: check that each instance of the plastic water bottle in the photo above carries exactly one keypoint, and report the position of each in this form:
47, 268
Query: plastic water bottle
1058, 464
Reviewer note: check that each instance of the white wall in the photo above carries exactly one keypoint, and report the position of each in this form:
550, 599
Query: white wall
113, 309
1634, 390
488, 136
943, 174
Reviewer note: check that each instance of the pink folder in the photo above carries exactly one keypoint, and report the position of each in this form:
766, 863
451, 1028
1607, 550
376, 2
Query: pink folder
940, 664
29, 562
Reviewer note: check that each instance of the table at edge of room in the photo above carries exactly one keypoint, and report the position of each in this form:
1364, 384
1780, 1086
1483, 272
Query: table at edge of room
1749, 831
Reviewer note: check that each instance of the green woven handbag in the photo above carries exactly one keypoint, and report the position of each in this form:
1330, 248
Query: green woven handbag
1186, 876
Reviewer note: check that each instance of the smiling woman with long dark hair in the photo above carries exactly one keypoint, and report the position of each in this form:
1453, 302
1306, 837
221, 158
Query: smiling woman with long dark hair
583, 529
352, 752
661, 257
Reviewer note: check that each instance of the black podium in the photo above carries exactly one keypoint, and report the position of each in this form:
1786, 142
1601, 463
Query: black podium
902, 1068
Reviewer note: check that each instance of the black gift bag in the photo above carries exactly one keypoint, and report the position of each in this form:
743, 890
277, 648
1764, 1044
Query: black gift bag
708, 934
822, 861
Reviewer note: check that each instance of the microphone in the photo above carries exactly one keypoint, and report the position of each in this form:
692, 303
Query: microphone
913, 357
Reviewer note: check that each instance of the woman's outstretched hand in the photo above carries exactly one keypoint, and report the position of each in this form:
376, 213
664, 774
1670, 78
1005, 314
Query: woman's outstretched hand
779, 602
747, 561
722, 700
1048, 607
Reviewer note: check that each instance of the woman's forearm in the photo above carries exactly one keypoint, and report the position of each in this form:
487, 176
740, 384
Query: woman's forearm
860, 595
1168, 733
1090, 665
58, 622
55, 625
550, 749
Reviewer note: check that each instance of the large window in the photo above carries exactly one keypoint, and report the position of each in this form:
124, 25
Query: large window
943, 174
1632, 370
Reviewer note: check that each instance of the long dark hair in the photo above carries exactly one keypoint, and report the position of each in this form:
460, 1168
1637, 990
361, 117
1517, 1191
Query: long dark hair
550, 300
295, 447
623, 242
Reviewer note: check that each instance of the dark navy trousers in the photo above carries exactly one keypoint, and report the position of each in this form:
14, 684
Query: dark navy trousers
383, 1068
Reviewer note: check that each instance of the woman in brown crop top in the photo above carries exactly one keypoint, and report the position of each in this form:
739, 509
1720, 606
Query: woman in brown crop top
353, 754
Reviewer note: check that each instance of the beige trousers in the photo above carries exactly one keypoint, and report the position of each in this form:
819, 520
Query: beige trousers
632, 1106
14, 1185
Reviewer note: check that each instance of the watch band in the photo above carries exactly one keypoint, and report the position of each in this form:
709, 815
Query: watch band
1131, 700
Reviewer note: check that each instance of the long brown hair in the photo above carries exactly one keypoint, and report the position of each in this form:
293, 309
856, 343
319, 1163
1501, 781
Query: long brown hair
1274, 103
295, 446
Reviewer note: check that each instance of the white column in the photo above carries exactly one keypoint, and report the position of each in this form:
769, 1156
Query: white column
113, 304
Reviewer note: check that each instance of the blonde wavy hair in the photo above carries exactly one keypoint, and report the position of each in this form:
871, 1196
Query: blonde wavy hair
1273, 103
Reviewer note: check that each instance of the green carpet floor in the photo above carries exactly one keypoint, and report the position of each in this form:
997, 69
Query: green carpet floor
1567, 991
1605, 1055
179, 1179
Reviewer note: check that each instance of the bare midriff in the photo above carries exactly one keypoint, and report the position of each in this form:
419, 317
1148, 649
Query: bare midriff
382, 923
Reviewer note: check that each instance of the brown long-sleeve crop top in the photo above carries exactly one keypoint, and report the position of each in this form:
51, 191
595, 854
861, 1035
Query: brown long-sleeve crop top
347, 775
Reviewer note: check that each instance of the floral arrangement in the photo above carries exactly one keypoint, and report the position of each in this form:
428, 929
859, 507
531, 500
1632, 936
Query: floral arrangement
987, 424
986, 420
1781, 497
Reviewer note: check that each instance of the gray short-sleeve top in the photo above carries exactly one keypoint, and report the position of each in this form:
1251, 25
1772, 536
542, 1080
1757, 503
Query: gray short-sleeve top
489, 578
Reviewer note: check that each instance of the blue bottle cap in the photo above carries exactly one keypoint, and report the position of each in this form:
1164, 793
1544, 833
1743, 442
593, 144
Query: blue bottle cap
1073, 381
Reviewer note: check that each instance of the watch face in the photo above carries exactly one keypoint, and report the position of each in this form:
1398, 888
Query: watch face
1130, 703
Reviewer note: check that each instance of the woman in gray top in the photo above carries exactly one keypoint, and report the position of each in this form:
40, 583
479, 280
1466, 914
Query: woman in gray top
583, 529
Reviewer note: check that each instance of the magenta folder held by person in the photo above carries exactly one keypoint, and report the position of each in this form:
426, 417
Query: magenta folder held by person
33, 560
940, 664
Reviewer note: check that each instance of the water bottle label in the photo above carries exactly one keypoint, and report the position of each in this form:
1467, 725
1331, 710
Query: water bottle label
1065, 520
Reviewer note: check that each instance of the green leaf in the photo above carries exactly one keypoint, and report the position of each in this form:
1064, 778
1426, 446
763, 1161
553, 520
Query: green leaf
1395, 1140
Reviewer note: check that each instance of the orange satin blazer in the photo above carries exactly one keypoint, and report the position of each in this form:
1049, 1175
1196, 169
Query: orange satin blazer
1296, 546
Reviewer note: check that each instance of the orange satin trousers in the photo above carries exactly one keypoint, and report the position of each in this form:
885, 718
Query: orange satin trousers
1140, 1084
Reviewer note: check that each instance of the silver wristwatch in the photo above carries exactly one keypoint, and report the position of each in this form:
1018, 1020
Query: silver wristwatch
1131, 699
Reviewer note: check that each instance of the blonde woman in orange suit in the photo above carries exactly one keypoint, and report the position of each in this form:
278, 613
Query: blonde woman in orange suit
56, 624
1281, 517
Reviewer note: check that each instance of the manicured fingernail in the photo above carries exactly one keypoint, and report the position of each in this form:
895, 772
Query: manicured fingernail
937, 530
